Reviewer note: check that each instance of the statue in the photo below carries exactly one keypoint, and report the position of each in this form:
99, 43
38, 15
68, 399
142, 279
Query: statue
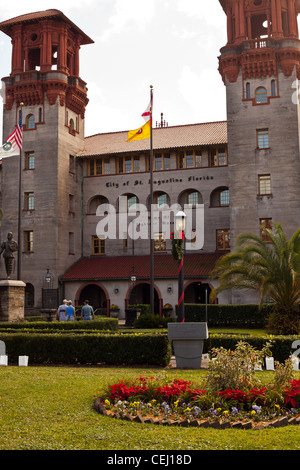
9, 247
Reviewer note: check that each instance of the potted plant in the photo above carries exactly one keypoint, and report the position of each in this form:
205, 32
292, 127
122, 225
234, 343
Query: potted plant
114, 311
167, 310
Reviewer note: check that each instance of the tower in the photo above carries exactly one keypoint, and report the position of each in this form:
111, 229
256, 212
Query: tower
260, 66
44, 85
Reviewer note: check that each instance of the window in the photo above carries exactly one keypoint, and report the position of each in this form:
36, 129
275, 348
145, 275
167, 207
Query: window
128, 164
30, 121
95, 203
131, 203
219, 197
99, 166
29, 296
71, 203
265, 223
248, 91
40, 114
262, 137
71, 164
224, 197
29, 201
261, 95
98, 245
159, 242
218, 156
71, 243
264, 184
223, 240
189, 158
193, 198
29, 161
273, 88
28, 241
160, 199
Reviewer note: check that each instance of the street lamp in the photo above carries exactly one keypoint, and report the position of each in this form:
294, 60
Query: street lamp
179, 231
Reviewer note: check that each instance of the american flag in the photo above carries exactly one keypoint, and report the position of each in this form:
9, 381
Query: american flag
17, 136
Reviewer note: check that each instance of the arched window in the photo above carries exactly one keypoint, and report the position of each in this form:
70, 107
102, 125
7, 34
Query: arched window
219, 197
273, 88
261, 95
248, 91
30, 121
95, 202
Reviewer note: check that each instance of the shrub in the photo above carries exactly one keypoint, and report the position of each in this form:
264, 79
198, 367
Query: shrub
234, 369
151, 321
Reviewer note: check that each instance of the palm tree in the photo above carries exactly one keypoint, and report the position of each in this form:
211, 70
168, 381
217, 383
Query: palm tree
272, 269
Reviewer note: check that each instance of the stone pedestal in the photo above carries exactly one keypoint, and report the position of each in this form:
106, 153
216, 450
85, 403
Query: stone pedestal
12, 298
188, 340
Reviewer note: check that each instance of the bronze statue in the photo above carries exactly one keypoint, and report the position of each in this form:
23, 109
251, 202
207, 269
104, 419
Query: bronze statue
9, 247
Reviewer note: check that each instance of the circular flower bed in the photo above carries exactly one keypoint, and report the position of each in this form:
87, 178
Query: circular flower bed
181, 402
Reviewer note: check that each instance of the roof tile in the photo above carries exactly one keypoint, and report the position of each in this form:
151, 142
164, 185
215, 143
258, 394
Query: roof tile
190, 135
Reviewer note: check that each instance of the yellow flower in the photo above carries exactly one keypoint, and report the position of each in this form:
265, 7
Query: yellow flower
107, 402
277, 406
225, 412
253, 412
153, 401
176, 403
219, 409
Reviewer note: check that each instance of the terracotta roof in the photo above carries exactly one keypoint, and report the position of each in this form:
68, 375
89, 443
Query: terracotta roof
120, 267
190, 135
34, 17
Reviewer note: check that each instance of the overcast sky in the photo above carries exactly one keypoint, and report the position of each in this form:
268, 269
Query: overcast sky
170, 44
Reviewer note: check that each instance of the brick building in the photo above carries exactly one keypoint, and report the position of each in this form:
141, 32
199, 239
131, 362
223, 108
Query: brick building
244, 172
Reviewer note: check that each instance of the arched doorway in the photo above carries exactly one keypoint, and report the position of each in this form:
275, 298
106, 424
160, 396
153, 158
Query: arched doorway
195, 293
140, 294
96, 296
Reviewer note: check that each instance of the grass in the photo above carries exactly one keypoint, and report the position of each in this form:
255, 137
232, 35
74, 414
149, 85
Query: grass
51, 408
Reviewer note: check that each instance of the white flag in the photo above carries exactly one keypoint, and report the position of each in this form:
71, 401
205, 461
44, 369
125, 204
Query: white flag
8, 150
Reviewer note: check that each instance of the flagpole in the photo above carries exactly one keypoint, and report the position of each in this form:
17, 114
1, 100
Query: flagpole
151, 202
19, 267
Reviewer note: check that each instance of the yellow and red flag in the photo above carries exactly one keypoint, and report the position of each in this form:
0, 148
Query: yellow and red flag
143, 132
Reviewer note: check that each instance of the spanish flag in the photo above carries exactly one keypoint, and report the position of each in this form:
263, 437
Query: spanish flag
143, 132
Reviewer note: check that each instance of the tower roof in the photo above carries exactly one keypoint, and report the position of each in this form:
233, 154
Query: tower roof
35, 17
225, 3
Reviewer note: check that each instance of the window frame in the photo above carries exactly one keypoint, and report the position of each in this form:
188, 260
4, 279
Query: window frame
99, 163
262, 225
98, 244
29, 201
189, 152
216, 157
259, 95
264, 143
28, 241
131, 164
30, 121
29, 161
159, 238
264, 181
221, 234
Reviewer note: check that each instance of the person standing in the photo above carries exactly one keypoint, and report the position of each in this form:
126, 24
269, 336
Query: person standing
62, 311
87, 312
70, 311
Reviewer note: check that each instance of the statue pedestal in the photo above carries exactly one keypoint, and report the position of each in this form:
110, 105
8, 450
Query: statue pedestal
12, 297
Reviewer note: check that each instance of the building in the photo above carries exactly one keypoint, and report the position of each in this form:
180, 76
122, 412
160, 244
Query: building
241, 174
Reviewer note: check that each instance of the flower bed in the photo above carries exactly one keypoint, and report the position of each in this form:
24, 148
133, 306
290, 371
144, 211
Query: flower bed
180, 402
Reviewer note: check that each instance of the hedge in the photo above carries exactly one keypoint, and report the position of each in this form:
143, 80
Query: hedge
94, 348
247, 316
101, 324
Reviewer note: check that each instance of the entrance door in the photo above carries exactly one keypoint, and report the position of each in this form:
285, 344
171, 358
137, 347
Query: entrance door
96, 297
140, 294
195, 293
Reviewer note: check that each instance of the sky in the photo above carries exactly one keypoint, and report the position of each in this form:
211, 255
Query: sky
172, 45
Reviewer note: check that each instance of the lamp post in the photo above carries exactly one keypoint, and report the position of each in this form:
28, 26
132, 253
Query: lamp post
179, 234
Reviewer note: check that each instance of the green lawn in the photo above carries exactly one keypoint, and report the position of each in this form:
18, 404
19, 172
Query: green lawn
52, 408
